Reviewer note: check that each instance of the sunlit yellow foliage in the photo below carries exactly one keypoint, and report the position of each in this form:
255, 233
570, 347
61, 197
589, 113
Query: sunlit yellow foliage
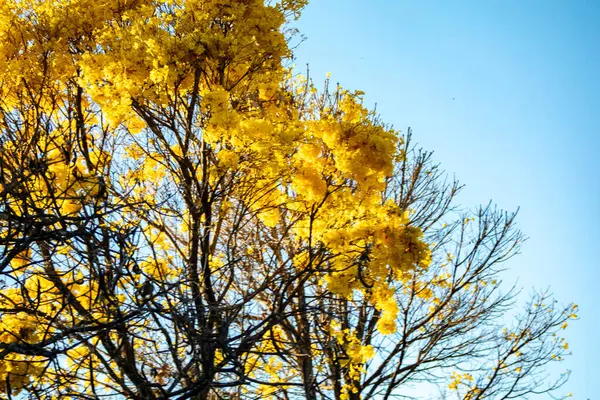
174, 197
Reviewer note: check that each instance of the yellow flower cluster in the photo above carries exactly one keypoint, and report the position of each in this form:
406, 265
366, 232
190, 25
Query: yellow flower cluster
57, 184
18, 328
357, 355
459, 379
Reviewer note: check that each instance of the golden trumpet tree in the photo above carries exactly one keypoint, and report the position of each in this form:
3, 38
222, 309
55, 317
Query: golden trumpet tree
183, 218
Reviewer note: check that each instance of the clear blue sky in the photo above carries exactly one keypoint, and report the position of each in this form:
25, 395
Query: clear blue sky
507, 94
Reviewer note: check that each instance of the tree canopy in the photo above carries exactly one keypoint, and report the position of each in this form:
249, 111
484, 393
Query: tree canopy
182, 216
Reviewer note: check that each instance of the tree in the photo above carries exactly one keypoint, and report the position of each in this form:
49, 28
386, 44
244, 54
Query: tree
182, 217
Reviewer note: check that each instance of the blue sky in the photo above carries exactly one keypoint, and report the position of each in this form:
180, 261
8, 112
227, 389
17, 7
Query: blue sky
507, 95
